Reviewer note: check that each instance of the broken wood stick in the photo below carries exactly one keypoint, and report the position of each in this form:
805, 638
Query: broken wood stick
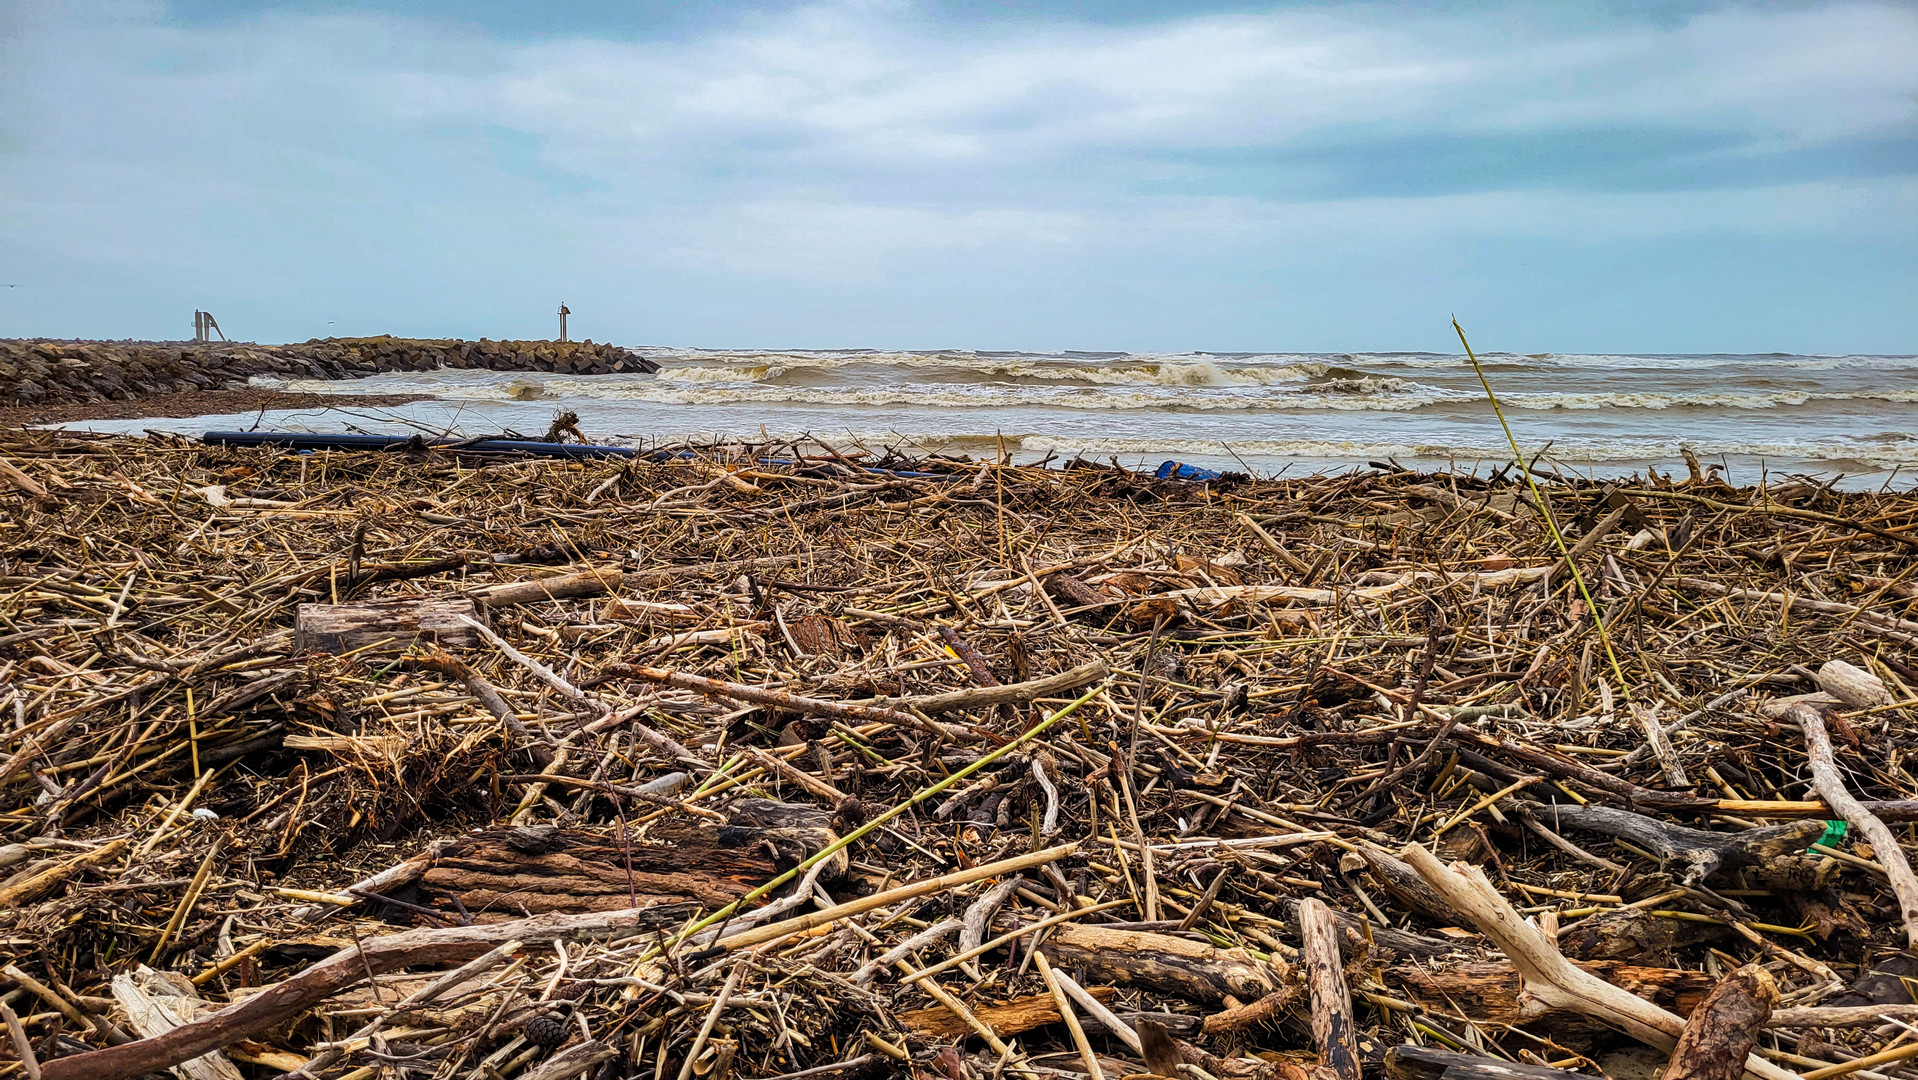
1064, 1005
980, 697
1662, 746
154, 1007
31, 887
1721, 1032
483, 691
780, 699
1885, 809
772, 931
18, 478
1332, 1028
813, 785
599, 582
1830, 786
1096, 1009
1840, 1016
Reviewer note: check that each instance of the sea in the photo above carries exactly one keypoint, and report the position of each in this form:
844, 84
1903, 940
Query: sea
1849, 419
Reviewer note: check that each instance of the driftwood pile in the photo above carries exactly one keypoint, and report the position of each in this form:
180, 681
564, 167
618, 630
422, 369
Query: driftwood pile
801, 760
59, 372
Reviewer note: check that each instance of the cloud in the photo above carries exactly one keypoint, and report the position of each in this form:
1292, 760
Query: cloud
413, 168
830, 81
854, 242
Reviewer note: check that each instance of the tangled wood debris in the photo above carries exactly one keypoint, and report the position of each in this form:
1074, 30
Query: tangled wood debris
802, 760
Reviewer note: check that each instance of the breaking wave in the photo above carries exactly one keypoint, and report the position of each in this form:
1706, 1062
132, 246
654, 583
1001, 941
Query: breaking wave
1851, 414
1203, 387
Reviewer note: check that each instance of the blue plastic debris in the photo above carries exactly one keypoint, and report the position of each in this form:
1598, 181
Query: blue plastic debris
1179, 470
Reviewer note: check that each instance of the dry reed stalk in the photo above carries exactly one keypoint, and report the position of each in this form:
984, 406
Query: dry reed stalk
1292, 671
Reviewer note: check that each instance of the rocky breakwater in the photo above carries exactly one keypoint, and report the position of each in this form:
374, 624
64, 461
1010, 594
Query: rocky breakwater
40, 372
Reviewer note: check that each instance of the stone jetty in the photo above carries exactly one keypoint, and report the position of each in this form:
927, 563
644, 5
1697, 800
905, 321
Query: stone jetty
43, 372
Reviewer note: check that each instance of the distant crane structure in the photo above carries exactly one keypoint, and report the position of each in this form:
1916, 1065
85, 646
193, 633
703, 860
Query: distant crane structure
204, 328
563, 312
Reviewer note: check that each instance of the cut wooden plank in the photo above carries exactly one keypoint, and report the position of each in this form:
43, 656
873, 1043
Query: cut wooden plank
383, 626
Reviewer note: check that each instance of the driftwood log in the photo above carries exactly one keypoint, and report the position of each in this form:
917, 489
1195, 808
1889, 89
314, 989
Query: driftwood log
1332, 1025
1007, 1018
511, 873
1173, 965
1410, 1062
1694, 853
1549, 978
1720, 1034
1853, 685
1634, 937
1493, 992
1408, 888
383, 626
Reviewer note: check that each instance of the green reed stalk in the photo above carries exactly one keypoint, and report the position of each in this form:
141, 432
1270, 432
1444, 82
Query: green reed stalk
1545, 508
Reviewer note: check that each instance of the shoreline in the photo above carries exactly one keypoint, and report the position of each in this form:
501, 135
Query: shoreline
184, 405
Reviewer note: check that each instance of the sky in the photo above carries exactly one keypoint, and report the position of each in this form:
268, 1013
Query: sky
984, 174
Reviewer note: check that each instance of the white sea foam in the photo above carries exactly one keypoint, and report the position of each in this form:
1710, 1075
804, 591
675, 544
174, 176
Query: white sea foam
1889, 452
1131, 372
1159, 387
1727, 400
1841, 413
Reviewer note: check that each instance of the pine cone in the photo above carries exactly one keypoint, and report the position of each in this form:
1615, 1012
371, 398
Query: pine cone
545, 1029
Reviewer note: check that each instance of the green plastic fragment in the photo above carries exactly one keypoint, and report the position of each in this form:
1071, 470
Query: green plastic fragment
1834, 834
